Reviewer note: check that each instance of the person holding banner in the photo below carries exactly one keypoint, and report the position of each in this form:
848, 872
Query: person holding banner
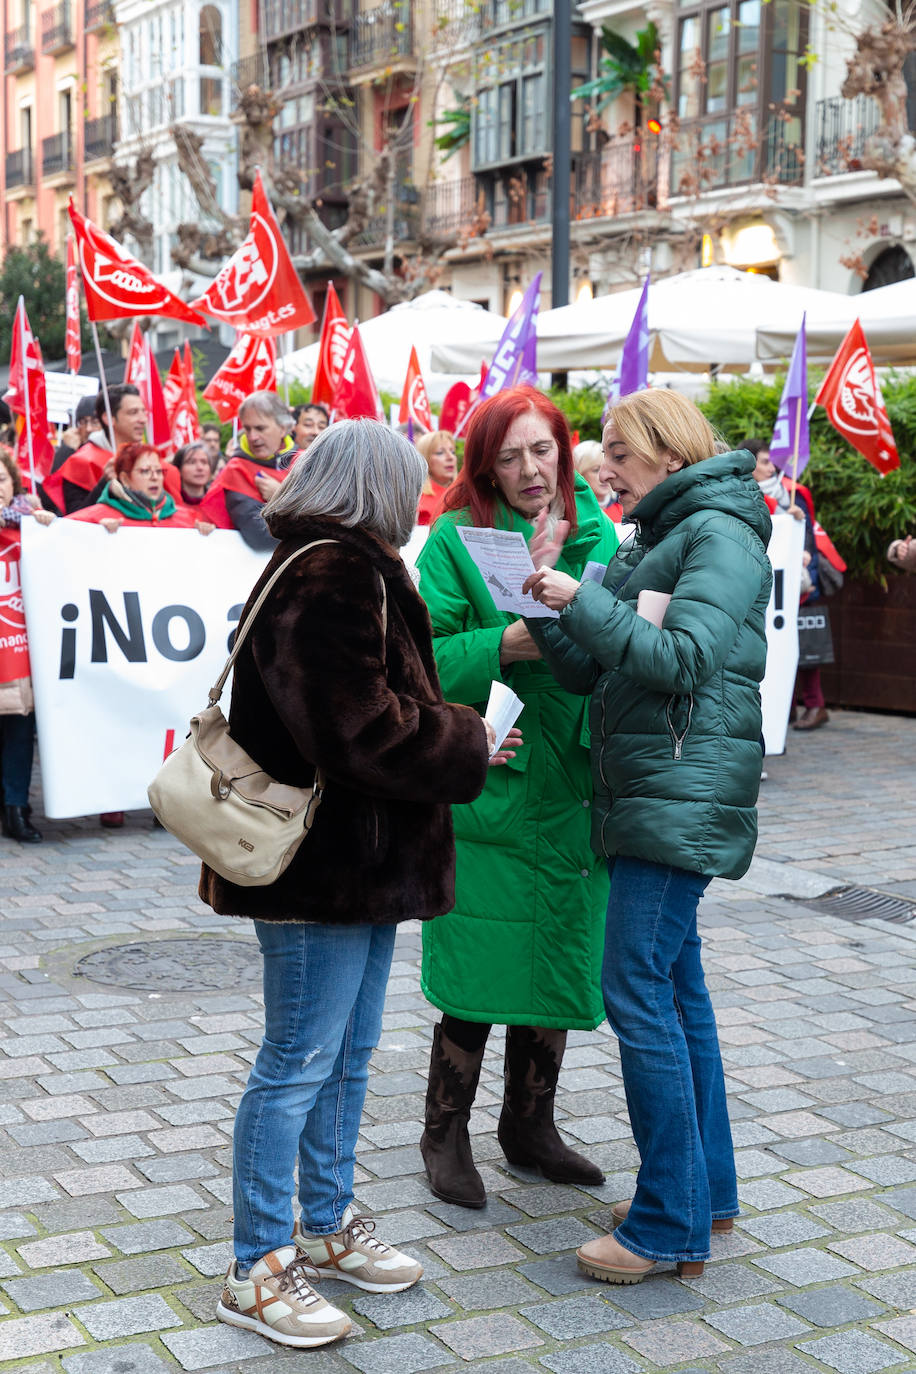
338, 674
79, 480
438, 449
17, 716
235, 501
522, 947
136, 495
671, 647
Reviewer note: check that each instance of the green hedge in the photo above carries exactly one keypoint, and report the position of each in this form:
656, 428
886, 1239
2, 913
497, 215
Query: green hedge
861, 510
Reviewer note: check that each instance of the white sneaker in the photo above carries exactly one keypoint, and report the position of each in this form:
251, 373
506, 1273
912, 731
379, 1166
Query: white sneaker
357, 1256
278, 1302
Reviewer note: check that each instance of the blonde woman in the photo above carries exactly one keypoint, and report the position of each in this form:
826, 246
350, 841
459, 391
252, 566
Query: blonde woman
672, 648
438, 451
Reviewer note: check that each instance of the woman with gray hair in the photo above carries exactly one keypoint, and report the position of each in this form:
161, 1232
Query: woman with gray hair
338, 674
235, 500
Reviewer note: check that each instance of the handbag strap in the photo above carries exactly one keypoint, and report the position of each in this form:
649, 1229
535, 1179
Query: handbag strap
216, 691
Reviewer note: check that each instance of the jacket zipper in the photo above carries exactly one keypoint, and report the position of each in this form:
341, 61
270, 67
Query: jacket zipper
603, 737
678, 739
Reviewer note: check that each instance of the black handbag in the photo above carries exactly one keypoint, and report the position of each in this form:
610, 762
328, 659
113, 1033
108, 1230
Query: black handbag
815, 642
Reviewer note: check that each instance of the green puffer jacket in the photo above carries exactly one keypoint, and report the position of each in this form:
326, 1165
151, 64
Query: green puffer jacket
523, 945
675, 712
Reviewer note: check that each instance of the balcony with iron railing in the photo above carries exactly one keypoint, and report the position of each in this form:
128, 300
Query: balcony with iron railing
57, 29
455, 23
98, 14
19, 169
99, 137
19, 50
403, 223
280, 17
725, 150
57, 155
842, 129
382, 35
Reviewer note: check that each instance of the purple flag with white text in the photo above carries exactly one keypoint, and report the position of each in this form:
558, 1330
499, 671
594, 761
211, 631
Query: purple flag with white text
515, 360
632, 372
789, 446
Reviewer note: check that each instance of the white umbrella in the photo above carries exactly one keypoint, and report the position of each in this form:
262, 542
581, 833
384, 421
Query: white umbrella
888, 317
419, 323
696, 320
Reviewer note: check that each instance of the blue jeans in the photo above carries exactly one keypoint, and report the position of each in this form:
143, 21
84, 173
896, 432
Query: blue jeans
324, 990
659, 1009
17, 745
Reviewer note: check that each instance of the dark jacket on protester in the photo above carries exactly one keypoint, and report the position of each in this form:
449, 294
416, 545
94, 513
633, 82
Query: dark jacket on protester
315, 682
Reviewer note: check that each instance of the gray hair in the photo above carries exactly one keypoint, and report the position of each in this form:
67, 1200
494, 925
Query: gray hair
269, 405
358, 472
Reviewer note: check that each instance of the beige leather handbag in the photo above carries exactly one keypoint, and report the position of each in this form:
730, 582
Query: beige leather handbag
216, 799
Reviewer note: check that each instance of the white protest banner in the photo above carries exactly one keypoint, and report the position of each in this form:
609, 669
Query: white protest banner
785, 549
64, 391
127, 633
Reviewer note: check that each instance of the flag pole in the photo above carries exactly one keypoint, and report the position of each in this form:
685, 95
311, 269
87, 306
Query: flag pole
103, 382
25, 389
285, 342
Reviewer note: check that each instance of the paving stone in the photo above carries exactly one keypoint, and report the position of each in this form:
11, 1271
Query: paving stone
858, 1214
498, 1288
900, 1329
388, 1310
724, 1283
805, 1266
544, 1201
158, 1202
897, 1290
211, 1260
783, 1228
546, 1237
19, 1192
136, 1358
666, 1343
568, 1318
851, 1352
211, 1344
38, 1335
480, 1250
104, 1179
902, 1200
176, 1168
778, 1361
876, 1251
815, 1150
13, 1224
497, 1333
62, 1289
766, 1194
557, 1276
134, 1275
408, 1354
150, 1235
834, 1306
756, 1325
589, 1359
494, 1214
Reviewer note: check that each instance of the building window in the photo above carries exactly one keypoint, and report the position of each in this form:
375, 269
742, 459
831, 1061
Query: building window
210, 55
511, 116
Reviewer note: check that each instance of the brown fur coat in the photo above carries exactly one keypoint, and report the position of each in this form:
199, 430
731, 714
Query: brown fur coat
315, 683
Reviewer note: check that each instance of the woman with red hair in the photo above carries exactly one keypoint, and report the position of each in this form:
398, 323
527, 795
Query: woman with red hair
136, 495
523, 945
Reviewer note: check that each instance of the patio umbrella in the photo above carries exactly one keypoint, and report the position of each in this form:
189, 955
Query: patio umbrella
888, 317
419, 323
697, 320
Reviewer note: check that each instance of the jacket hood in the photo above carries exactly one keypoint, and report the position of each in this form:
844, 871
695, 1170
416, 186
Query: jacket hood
722, 483
298, 532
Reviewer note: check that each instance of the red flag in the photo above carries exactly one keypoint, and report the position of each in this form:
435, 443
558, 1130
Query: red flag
141, 371
26, 395
117, 285
332, 349
72, 344
455, 406
251, 366
259, 290
174, 384
414, 400
135, 366
851, 395
184, 419
14, 644
356, 397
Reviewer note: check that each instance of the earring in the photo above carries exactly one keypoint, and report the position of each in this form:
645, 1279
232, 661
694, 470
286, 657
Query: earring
492, 481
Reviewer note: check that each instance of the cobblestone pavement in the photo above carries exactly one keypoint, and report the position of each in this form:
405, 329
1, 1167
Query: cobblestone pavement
117, 1115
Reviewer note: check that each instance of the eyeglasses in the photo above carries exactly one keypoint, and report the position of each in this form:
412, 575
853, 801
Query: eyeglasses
147, 472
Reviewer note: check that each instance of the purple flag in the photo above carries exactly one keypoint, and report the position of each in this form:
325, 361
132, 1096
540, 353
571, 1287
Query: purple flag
515, 360
632, 372
789, 446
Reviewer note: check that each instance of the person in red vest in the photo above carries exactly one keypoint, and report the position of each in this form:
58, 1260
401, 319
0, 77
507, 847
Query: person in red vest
438, 449
267, 452
81, 478
136, 495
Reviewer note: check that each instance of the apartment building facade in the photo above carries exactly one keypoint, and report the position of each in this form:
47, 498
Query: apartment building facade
59, 115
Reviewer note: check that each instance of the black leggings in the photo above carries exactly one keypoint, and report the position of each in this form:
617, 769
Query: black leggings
469, 1036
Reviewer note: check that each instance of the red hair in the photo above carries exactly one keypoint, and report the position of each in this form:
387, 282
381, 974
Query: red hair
473, 487
128, 455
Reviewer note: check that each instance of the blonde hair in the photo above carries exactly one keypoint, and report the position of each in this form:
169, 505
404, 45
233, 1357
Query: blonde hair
427, 442
652, 422
586, 452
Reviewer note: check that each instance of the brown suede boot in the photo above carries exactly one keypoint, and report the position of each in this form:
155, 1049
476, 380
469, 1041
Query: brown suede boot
445, 1144
526, 1128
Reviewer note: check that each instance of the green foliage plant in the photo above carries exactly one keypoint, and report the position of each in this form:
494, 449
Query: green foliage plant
35, 274
625, 67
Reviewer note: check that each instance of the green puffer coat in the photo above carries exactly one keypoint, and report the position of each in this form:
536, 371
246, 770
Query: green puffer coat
523, 945
675, 711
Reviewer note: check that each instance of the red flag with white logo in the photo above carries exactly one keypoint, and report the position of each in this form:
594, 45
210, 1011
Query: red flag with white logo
72, 343
414, 400
26, 395
141, 371
174, 384
851, 395
259, 290
356, 397
117, 286
251, 366
332, 349
184, 418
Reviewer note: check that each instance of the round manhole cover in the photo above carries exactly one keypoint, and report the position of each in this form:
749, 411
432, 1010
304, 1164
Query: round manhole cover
176, 965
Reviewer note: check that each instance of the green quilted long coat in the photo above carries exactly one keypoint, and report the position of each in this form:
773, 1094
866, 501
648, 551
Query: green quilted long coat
524, 943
